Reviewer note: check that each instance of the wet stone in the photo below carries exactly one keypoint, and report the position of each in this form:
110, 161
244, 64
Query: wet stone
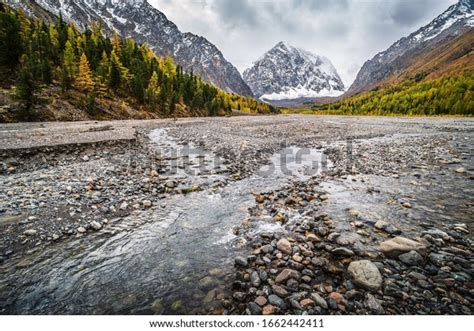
276, 301
411, 258
255, 279
254, 309
239, 296
242, 261
342, 251
267, 249
399, 245
365, 274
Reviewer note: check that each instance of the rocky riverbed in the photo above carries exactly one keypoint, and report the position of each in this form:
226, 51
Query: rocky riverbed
267, 215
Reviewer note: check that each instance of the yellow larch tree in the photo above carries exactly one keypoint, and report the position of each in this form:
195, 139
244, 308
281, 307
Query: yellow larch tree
84, 79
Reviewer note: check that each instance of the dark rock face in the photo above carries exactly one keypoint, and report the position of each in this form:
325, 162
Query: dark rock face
456, 20
286, 72
144, 23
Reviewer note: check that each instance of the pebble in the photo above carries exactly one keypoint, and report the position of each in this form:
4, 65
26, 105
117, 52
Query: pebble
239, 296
284, 246
306, 302
254, 309
280, 291
242, 261
319, 300
286, 274
267, 249
261, 300
411, 258
400, 245
30, 232
255, 279
373, 304
275, 300
96, 225
259, 198
342, 251
365, 274
147, 203
268, 310
336, 296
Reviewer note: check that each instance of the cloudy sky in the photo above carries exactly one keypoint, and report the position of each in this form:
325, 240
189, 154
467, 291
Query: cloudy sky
348, 32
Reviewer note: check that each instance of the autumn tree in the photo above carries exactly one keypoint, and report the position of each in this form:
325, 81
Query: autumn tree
84, 79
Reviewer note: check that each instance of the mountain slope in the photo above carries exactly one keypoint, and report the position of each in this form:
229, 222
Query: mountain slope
53, 71
410, 54
139, 20
286, 72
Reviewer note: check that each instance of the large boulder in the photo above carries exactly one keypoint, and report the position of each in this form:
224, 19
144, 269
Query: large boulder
365, 274
399, 245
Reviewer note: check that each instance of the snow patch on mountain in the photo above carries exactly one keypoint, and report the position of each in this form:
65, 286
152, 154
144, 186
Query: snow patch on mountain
462, 12
293, 93
287, 72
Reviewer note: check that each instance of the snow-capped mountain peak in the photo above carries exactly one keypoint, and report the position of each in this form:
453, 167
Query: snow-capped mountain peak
462, 12
288, 72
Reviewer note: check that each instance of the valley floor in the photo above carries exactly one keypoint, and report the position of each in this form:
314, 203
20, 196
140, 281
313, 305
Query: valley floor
264, 214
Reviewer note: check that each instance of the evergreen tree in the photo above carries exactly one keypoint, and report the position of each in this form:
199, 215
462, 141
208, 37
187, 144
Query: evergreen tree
115, 74
69, 59
10, 39
26, 90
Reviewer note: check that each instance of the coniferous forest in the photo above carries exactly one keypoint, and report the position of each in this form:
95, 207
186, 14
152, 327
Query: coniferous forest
96, 71
451, 94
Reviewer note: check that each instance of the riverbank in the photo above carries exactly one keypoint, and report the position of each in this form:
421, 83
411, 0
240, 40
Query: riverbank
109, 209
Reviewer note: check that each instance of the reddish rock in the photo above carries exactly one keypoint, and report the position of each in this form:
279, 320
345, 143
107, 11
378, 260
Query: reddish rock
287, 274
284, 246
259, 198
268, 310
261, 300
306, 302
336, 296
313, 238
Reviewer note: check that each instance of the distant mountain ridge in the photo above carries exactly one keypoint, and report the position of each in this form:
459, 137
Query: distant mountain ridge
146, 24
410, 52
286, 72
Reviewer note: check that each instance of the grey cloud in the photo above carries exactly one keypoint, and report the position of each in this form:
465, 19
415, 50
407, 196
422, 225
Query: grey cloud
235, 13
407, 12
348, 32
321, 4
